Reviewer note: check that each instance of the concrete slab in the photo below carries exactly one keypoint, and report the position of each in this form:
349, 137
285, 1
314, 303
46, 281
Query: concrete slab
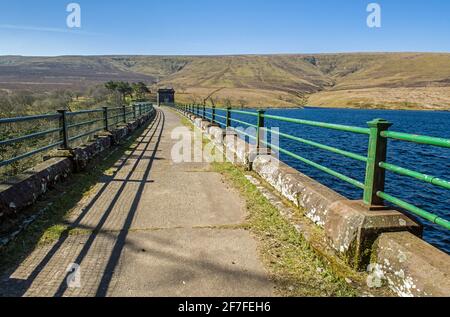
151, 229
192, 263
189, 199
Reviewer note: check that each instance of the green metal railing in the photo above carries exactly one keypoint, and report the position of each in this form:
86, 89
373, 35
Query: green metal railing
70, 128
376, 166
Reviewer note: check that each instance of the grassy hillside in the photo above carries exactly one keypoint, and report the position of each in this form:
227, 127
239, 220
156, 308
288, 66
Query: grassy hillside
382, 80
50, 73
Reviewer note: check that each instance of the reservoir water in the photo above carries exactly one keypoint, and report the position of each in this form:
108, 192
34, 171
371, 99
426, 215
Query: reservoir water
426, 159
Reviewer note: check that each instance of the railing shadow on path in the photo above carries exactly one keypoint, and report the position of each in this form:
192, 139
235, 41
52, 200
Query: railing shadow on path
119, 237
20, 287
120, 242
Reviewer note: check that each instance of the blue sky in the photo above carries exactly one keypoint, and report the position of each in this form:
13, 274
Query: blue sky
210, 27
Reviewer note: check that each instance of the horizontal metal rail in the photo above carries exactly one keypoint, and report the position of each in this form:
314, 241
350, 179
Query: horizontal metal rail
240, 131
321, 146
331, 126
30, 118
29, 154
62, 117
117, 116
29, 136
76, 113
85, 134
417, 138
318, 166
420, 176
376, 164
76, 125
220, 116
415, 210
244, 123
244, 112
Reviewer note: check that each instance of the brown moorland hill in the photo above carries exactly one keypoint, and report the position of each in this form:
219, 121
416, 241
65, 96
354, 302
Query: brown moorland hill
361, 80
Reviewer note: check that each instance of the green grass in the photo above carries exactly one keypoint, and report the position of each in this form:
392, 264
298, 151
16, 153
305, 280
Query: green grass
296, 268
58, 203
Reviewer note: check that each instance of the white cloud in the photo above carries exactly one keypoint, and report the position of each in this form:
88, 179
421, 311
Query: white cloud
43, 29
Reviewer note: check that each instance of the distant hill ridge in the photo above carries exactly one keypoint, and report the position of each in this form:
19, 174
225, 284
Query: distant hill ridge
391, 80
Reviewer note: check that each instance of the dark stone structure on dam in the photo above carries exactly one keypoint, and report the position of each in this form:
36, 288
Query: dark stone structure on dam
166, 96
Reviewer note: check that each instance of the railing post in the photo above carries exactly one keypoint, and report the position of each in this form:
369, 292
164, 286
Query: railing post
375, 175
134, 112
228, 118
198, 111
105, 118
64, 130
124, 113
213, 115
204, 112
260, 125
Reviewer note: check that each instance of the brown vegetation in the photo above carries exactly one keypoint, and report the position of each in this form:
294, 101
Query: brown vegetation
366, 80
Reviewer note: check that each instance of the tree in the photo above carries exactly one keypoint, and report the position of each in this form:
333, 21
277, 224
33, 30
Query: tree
124, 89
242, 102
227, 102
111, 86
194, 99
140, 89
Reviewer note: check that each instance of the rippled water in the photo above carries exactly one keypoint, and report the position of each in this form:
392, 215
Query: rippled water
426, 159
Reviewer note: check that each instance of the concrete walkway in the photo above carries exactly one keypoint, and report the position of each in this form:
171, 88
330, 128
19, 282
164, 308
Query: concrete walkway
153, 229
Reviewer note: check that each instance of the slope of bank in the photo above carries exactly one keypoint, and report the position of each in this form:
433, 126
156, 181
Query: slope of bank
358, 80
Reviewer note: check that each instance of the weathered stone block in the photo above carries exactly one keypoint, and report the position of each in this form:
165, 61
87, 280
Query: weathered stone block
205, 125
216, 132
198, 122
411, 266
133, 126
238, 150
351, 229
286, 180
119, 134
83, 155
23, 190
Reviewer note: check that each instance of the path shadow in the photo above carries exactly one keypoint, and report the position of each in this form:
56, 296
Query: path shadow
16, 288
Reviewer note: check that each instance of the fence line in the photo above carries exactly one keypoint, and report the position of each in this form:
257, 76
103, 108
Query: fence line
376, 166
69, 129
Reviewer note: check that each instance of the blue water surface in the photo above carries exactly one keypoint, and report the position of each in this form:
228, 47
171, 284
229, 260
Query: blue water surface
426, 159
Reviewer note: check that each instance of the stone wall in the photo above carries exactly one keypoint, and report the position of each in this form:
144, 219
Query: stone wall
23, 190
384, 242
